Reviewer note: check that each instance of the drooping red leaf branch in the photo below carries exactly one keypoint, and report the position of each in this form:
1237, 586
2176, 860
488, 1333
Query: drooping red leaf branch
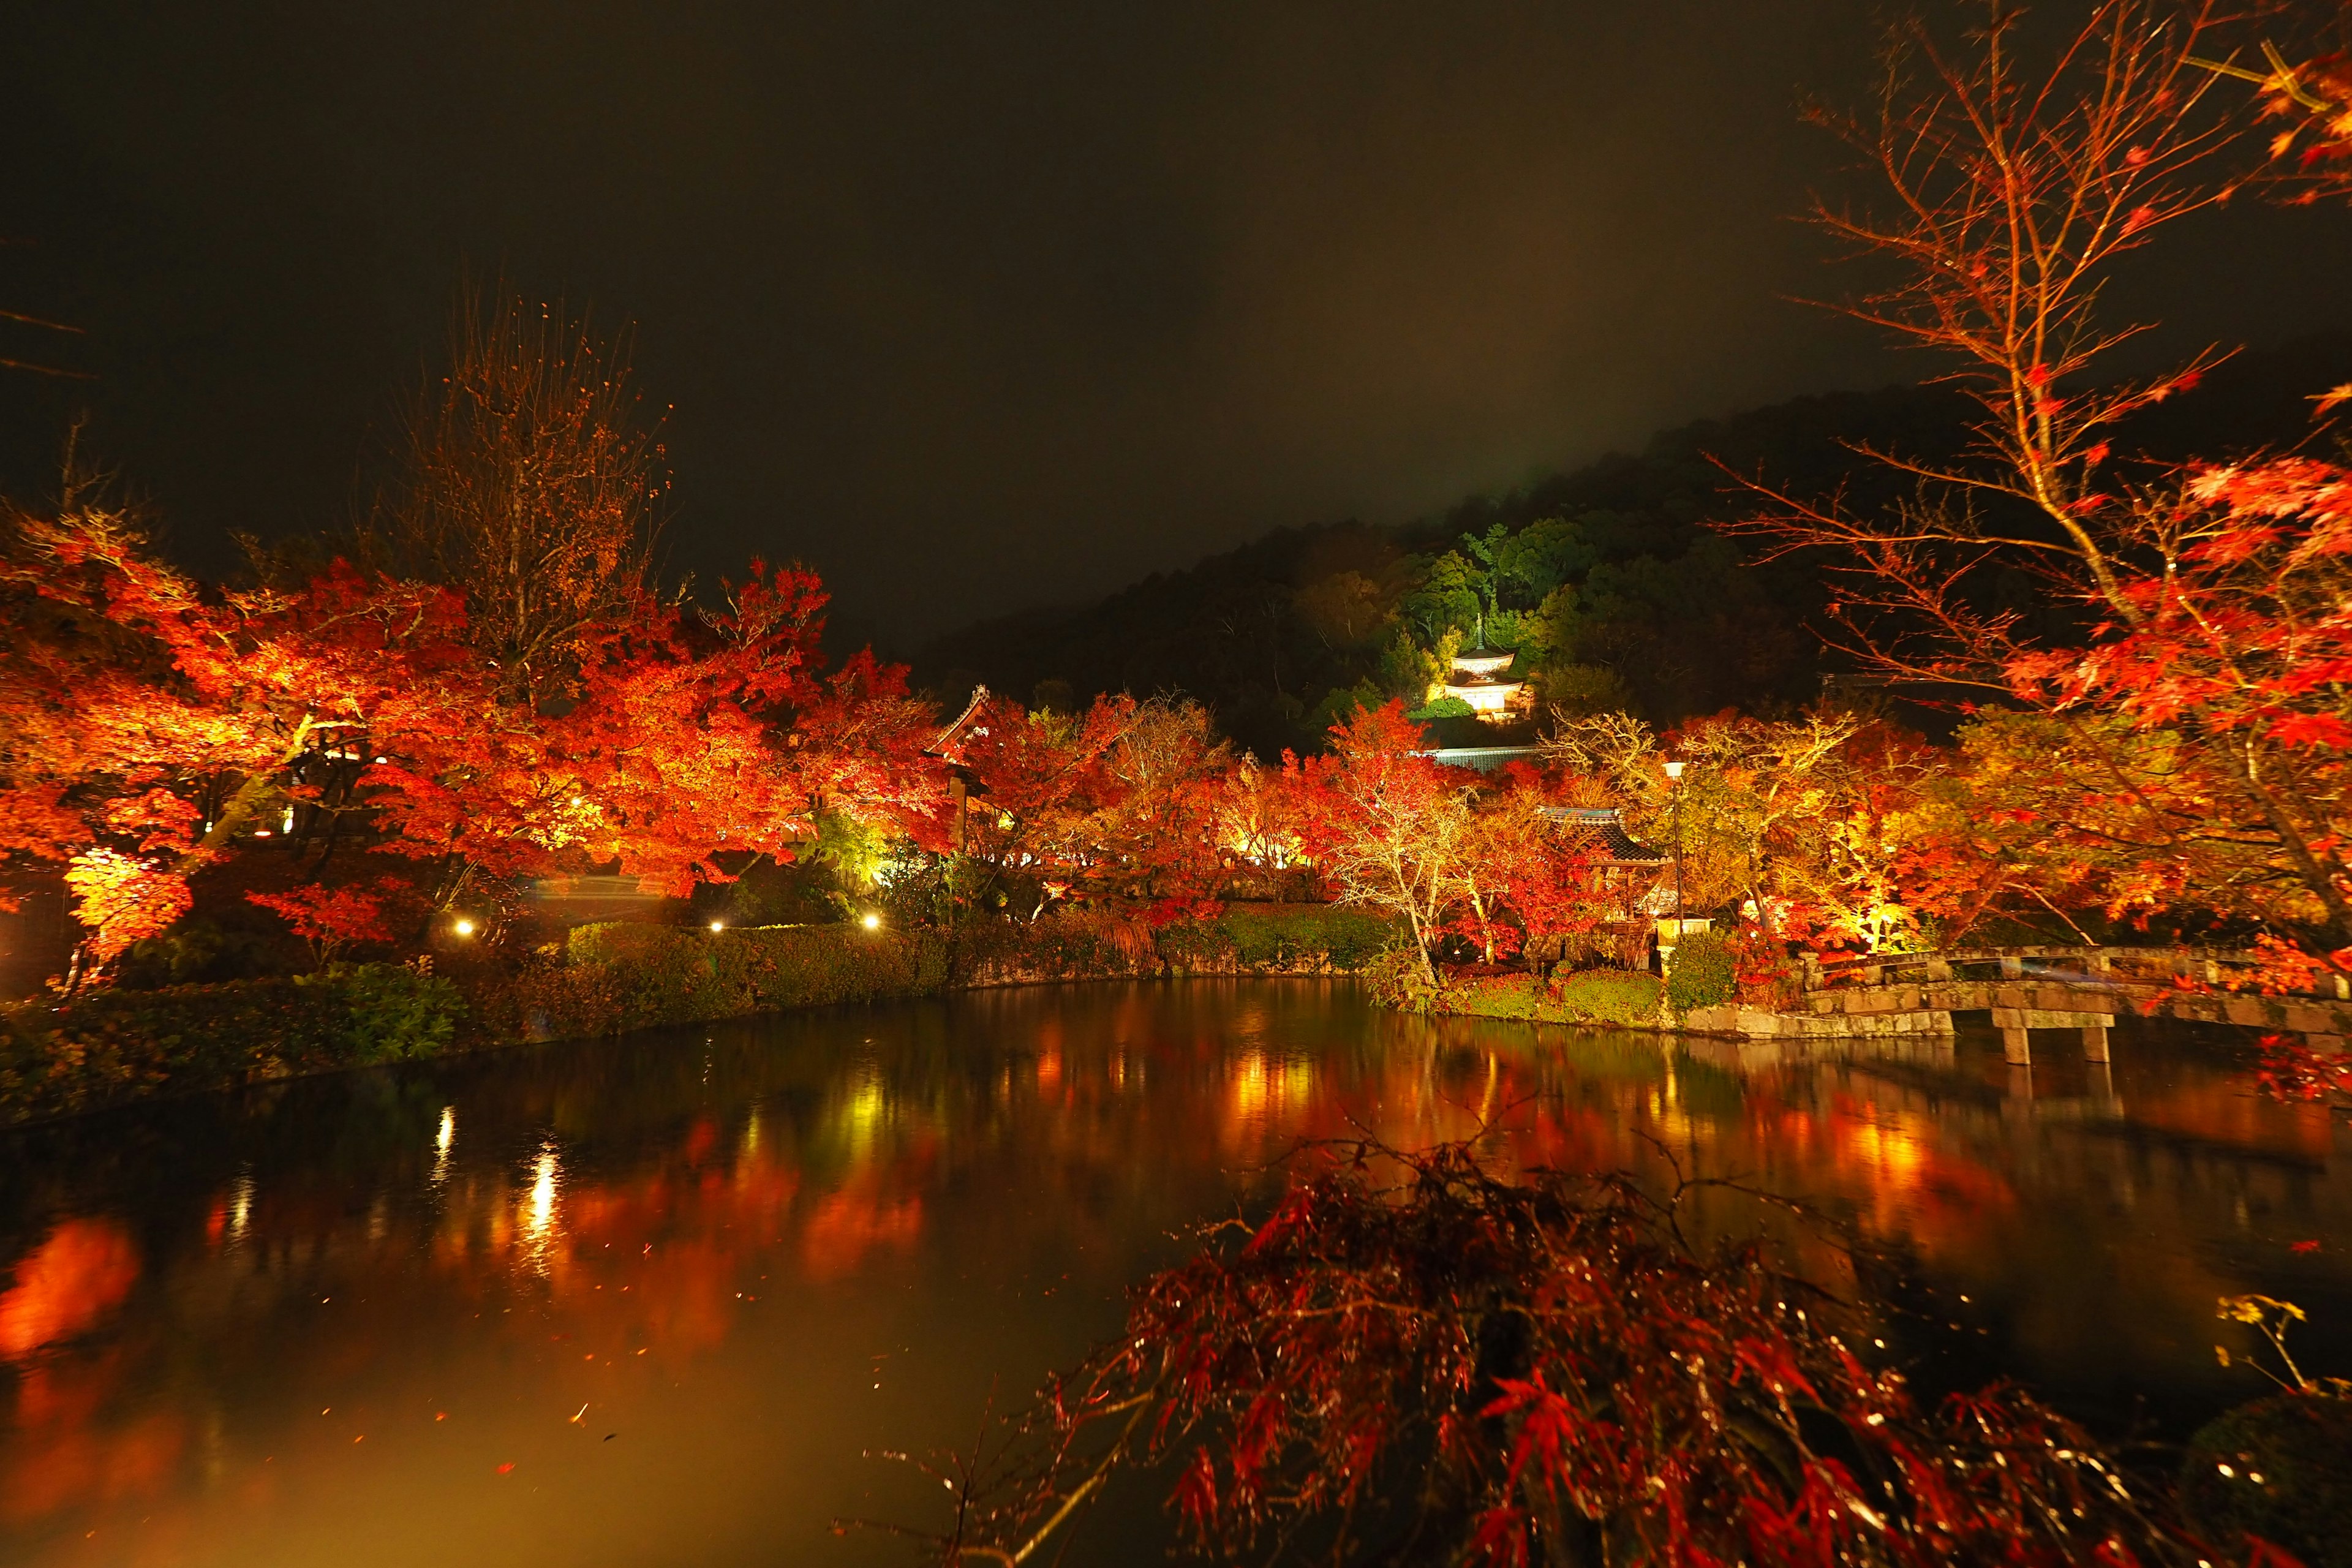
1456, 1367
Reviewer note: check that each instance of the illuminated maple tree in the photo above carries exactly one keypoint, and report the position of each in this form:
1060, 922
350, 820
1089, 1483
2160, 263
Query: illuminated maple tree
1386, 824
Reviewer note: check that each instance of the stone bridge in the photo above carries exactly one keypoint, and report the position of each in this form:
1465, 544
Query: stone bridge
2083, 989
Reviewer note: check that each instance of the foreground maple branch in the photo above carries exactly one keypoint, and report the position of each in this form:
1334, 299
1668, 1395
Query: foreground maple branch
1462, 1368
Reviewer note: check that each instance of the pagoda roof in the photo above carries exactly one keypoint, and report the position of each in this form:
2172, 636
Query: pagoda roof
1483, 661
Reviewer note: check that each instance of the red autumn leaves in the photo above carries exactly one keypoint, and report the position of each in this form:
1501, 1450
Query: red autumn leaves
156, 727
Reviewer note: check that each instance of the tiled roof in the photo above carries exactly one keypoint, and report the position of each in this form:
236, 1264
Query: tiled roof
1602, 829
950, 739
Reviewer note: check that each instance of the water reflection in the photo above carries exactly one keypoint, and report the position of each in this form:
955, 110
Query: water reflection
664, 1292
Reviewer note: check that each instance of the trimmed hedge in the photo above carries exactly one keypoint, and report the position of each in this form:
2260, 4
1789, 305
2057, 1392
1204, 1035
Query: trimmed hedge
1624, 997
1099, 944
1621, 998
616, 976
1283, 939
110, 1046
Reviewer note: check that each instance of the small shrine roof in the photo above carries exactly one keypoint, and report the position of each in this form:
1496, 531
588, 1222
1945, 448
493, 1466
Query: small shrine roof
1602, 828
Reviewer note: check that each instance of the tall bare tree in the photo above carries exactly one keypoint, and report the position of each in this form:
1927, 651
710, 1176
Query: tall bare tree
2009, 184
531, 482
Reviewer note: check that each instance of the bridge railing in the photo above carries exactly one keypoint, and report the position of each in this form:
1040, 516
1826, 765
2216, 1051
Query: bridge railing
2222, 969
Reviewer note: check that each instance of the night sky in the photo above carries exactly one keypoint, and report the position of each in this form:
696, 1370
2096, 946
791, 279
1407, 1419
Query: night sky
971, 307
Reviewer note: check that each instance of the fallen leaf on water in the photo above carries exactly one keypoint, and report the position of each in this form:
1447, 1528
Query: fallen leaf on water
505, 1467
2311, 1245
576, 1415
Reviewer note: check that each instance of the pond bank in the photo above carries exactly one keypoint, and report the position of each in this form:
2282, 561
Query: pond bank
108, 1048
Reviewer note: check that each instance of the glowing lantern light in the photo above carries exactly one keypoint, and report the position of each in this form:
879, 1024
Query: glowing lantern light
718, 925
872, 922
465, 927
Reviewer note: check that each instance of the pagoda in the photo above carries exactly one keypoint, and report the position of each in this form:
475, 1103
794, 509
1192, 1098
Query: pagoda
1474, 680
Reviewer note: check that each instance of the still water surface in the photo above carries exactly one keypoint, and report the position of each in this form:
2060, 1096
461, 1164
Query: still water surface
649, 1301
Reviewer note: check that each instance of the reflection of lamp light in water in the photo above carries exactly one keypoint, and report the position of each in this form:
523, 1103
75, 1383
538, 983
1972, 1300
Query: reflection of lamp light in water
543, 1195
240, 1208
443, 1140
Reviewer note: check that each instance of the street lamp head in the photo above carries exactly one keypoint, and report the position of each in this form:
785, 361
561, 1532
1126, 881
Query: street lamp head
1674, 770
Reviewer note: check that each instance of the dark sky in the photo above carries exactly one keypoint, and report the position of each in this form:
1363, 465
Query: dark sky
971, 306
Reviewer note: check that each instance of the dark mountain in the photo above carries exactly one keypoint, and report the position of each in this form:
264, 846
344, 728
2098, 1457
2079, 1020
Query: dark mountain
1605, 579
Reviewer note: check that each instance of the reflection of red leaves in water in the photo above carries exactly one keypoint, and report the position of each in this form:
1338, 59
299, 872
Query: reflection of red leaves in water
851, 1222
1912, 1185
2311, 1245
67, 1284
64, 1454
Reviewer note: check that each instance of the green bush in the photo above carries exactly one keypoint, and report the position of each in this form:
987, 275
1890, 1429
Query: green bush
1624, 997
1246, 939
1257, 937
2290, 1478
1702, 973
109, 1045
1499, 997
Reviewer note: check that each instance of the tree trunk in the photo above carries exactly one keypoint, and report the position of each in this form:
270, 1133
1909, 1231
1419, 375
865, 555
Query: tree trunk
2320, 879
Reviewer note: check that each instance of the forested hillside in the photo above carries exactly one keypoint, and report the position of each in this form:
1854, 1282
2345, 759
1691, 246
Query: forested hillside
1605, 580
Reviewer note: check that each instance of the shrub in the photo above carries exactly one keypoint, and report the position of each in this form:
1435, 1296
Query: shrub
619, 975
1703, 973
1089, 944
2289, 1479
1399, 979
110, 1045
1072, 944
390, 1012
1316, 937
1498, 997
1626, 996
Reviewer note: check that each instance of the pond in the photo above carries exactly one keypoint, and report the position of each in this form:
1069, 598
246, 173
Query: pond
654, 1300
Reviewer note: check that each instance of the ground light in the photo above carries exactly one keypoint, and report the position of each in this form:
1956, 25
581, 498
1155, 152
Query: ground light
718, 925
872, 922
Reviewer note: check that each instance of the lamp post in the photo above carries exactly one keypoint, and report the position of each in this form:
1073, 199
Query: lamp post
1674, 783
